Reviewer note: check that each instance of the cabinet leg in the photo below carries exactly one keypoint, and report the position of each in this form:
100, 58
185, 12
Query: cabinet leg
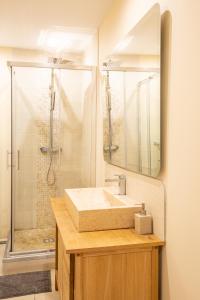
56, 283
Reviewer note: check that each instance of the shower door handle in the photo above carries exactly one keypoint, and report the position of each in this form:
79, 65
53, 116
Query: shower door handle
8, 159
18, 160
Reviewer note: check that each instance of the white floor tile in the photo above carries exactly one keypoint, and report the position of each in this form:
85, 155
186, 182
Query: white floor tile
53, 279
47, 296
28, 297
26, 266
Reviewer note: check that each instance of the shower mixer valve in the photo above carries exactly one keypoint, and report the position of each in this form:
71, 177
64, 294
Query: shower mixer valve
45, 150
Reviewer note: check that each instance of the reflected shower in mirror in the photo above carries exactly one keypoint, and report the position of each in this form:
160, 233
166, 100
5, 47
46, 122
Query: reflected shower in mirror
131, 97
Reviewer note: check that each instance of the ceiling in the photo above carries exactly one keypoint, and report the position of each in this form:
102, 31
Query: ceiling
21, 21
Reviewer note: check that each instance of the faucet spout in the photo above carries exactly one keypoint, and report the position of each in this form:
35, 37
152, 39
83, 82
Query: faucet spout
121, 182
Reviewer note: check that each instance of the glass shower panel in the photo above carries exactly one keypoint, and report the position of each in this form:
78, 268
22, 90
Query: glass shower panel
117, 116
154, 87
138, 119
132, 121
114, 109
33, 223
75, 89
53, 147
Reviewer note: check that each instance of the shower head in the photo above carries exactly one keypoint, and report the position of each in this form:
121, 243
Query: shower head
59, 61
112, 63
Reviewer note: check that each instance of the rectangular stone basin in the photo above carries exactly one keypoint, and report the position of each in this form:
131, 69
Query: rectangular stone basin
94, 209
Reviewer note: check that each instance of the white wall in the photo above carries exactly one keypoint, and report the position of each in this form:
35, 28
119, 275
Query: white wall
180, 129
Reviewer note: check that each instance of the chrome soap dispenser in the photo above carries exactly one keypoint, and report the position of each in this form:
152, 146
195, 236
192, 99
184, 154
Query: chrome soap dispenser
143, 222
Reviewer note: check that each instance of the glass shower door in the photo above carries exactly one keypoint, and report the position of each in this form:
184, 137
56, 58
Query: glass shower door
53, 147
75, 89
32, 221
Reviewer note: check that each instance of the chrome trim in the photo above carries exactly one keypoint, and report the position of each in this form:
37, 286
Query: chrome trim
15, 253
121, 183
130, 69
26, 255
49, 65
12, 186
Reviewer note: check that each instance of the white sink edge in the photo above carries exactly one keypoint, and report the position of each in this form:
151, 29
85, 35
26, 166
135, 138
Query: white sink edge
125, 199
98, 216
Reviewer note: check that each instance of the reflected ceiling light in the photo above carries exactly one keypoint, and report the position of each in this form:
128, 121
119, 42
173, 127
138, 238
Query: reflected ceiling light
124, 44
59, 40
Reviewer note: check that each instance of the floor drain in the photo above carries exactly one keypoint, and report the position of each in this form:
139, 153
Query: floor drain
48, 240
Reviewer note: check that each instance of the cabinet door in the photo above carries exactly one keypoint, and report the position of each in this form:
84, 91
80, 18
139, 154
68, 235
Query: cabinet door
60, 265
67, 288
65, 272
65, 285
124, 276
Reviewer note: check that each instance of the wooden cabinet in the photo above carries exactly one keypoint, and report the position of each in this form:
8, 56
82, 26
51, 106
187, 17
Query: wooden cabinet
64, 271
114, 275
104, 265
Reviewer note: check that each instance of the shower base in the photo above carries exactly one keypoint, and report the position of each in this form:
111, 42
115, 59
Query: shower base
34, 239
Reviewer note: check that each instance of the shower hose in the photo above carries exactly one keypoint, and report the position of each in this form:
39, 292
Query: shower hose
51, 177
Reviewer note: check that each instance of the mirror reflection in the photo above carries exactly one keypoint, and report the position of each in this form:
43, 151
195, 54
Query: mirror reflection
131, 98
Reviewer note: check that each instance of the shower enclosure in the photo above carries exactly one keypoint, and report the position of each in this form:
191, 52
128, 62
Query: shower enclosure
53, 111
131, 99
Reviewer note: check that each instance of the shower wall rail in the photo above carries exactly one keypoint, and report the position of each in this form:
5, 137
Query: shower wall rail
50, 66
130, 69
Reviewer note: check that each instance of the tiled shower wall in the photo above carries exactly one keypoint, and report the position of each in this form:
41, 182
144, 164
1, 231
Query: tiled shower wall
31, 106
31, 100
32, 211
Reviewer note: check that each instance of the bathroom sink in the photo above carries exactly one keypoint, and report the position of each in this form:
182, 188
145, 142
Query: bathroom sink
98, 209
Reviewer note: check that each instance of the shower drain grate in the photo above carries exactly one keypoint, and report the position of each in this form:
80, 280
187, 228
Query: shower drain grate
48, 240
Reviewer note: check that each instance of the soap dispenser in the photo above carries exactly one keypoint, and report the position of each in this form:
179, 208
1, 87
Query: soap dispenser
143, 222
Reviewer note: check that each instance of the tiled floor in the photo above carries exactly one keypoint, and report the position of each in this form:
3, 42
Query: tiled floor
13, 268
45, 296
34, 239
23, 266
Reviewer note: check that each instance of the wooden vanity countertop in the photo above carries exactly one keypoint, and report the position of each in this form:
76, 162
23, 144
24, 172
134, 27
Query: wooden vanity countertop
84, 242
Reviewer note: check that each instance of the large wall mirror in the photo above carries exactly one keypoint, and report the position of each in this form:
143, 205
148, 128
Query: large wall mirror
130, 93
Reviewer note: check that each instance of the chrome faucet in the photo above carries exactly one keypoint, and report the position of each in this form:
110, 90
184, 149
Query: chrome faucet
121, 181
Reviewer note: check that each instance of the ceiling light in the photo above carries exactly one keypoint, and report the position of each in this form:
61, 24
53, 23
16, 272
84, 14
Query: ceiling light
59, 40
